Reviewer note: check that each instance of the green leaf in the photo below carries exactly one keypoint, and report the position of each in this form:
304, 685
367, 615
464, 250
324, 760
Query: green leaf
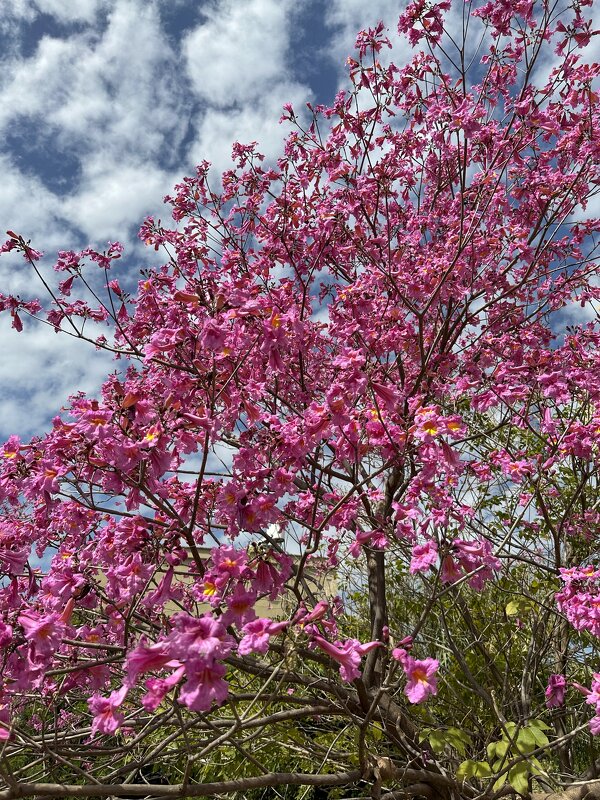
540, 737
376, 731
535, 767
519, 607
482, 770
498, 749
538, 723
518, 777
465, 770
526, 741
454, 737
473, 769
438, 740
457, 733
458, 739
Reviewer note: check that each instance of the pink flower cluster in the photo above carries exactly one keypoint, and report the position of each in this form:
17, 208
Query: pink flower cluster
579, 599
466, 558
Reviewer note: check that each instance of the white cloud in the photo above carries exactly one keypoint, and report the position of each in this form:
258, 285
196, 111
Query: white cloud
347, 17
118, 92
14, 11
27, 207
113, 196
218, 129
71, 11
114, 104
239, 52
38, 372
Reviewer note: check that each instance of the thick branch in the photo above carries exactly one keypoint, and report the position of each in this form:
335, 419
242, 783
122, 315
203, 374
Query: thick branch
590, 790
179, 790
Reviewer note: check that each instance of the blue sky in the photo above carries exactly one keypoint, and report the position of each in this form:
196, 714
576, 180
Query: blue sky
106, 104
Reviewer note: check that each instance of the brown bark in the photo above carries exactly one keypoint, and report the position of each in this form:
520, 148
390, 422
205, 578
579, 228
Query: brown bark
57, 790
590, 790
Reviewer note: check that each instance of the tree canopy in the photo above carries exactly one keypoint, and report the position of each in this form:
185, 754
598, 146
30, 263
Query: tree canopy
379, 356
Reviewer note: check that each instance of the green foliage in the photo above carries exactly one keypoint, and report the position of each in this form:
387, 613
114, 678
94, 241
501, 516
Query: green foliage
451, 737
473, 769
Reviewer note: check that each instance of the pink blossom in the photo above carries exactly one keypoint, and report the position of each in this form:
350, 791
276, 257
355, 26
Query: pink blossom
303, 617
194, 638
594, 725
592, 697
213, 337
348, 654
476, 556
240, 606
421, 678
228, 562
159, 687
579, 599
555, 692
386, 394
270, 580
450, 572
145, 658
106, 717
6, 634
204, 685
401, 655
257, 634
423, 557
4, 723
62, 583
374, 539
43, 631
163, 592
12, 560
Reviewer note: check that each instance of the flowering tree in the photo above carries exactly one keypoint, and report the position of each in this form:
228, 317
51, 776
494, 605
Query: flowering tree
364, 349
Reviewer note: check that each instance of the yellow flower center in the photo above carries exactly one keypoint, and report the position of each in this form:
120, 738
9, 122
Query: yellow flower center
420, 675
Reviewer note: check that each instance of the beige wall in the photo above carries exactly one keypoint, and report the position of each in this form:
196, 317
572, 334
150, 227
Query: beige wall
320, 581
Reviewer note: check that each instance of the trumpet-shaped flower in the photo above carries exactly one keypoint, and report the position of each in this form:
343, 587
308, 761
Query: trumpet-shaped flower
257, 634
204, 685
421, 678
145, 658
43, 631
348, 654
107, 719
555, 691
423, 557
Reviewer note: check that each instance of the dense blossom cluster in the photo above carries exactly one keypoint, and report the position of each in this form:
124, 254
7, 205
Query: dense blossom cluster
356, 346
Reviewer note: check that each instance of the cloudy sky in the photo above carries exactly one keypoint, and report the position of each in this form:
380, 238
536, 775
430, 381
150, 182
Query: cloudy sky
106, 104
